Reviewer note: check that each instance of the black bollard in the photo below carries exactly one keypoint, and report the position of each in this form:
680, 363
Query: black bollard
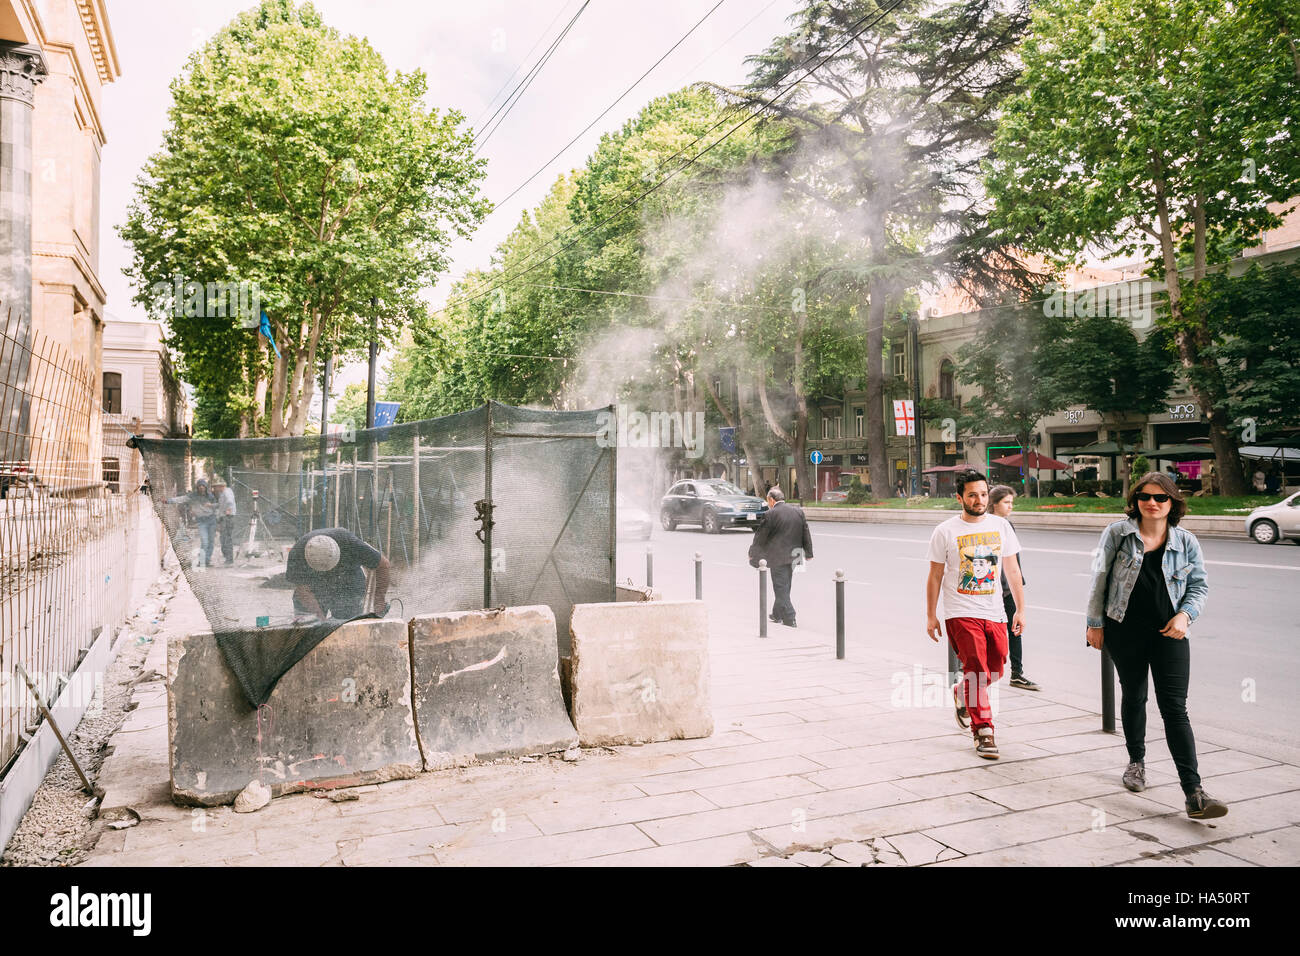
954, 666
839, 615
699, 576
762, 597
649, 566
1107, 692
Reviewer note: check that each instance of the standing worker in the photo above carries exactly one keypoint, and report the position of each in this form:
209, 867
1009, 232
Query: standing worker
225, 518
782, 539
202, 506
1002, 500
965, 553
326, 568
1148, 586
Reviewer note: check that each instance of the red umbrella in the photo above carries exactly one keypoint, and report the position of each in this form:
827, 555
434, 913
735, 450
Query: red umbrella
1032, 460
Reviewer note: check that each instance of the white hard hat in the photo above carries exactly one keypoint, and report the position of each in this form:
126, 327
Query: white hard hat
321, 552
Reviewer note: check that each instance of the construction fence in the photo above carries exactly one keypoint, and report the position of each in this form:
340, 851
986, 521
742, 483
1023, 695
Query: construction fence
69, 486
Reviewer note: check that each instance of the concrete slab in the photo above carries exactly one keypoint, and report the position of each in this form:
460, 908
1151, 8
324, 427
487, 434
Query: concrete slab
341, 716
487, 685
640, 672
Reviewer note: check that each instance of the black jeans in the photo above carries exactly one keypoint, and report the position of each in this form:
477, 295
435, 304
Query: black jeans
1013, 640
1169, 663
226, 525
782, 609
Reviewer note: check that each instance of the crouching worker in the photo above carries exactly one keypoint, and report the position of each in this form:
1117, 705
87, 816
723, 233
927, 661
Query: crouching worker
325, 567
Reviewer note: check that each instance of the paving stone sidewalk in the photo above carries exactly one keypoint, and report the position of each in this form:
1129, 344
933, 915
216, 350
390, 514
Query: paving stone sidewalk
813, 762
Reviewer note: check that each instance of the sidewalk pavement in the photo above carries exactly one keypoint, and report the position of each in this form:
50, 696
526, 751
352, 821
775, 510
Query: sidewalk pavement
860, 756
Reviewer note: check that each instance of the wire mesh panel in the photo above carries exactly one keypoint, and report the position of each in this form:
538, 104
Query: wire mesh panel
66, 530
283, 539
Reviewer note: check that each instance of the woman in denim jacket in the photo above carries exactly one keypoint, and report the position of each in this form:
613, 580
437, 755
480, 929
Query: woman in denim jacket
1148, 586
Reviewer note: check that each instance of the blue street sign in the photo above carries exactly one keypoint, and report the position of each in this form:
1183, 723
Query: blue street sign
386, 413
816, 458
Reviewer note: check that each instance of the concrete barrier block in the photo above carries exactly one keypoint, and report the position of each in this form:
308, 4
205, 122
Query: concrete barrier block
487, 684
640, 672
341, 716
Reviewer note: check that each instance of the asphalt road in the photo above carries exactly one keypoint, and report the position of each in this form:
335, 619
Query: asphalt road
1245, 650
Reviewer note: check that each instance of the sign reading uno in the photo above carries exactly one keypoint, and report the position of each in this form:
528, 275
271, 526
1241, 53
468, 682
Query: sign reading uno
1186, 410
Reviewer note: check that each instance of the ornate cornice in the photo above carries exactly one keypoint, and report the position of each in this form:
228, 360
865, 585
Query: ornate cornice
94, 19
21, 68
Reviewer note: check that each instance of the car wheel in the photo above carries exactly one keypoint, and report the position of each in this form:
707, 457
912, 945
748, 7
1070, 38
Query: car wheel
666, 521
711, 525
1264, 532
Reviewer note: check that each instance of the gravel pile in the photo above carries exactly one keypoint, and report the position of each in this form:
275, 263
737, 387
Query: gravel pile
61, 826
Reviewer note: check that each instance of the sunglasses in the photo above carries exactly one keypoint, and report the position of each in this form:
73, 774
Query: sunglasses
1147, 496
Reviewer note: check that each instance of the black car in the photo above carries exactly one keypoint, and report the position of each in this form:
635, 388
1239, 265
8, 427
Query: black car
711, 503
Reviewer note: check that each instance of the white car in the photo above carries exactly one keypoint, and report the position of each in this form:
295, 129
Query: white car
1271, 523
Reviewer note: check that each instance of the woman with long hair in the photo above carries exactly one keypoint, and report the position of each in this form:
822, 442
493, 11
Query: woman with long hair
1148, 587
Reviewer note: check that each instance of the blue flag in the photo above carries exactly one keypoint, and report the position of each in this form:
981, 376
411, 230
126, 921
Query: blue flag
265, 329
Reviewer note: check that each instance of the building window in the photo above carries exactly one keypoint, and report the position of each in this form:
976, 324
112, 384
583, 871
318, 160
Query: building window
947, 385
859, 422
831, 426
900, 363
113, 392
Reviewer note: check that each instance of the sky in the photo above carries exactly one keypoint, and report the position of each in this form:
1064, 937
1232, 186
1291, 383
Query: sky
469, 51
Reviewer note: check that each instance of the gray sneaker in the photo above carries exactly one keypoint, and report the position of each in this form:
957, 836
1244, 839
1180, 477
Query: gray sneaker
1135, 777
1202, 806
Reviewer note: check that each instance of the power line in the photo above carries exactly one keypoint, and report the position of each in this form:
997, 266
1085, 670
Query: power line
527, 55
641, 197
527, 81
619, 99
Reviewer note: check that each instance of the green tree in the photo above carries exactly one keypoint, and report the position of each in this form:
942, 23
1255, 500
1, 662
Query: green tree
1255, 321
885, 135
1015, 361
350, 409
293, 159
1165, 123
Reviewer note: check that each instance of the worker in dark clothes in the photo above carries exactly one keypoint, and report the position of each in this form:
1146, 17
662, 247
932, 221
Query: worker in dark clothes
326, 567
784, 541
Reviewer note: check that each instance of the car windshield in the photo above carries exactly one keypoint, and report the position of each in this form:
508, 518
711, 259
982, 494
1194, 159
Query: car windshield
714, 489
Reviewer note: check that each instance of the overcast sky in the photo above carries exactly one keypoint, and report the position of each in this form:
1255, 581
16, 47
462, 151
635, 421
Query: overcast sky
469, 50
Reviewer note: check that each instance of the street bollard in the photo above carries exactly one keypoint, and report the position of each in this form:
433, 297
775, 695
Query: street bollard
839, 614
699, 576
1107, 692
649, 566
762, 597
954, 666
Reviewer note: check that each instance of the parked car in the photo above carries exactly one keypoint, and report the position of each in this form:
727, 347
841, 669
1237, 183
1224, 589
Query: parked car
836, 494
632, 522
712, 503
1271, 523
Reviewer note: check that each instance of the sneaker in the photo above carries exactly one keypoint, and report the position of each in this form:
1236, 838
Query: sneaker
1023, 682
1135, 777
1202, 806
774, 619
984, 744
963, 715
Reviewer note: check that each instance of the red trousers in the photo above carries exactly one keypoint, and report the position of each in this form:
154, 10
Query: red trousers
981, 646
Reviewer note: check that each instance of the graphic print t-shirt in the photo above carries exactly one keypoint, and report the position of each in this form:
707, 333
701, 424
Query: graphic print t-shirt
972, 553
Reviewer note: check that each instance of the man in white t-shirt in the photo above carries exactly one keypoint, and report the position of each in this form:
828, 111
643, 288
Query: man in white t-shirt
967, 554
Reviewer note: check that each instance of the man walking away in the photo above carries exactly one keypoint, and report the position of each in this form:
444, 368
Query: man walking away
784, 541
1002, 500
225, 518
966, 552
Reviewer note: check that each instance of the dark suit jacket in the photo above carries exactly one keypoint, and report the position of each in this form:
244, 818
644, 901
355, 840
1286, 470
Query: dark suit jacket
784, 529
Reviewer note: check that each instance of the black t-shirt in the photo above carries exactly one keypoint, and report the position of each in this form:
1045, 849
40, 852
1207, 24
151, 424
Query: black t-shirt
340, 591
1149, 607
